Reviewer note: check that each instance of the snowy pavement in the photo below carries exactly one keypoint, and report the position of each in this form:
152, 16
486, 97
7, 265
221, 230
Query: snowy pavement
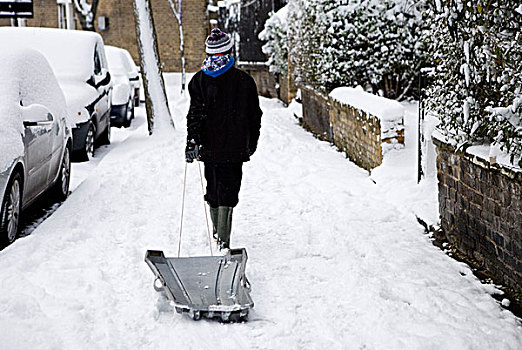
336, 261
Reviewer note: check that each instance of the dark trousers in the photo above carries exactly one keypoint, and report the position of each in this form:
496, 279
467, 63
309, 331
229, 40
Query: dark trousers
223, 183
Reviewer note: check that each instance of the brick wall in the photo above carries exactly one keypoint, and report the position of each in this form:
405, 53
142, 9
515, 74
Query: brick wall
481, 211
45, 15
358, 134
122, 31
265, 81
316, 115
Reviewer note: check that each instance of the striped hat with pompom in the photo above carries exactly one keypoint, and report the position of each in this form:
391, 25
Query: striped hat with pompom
218, 42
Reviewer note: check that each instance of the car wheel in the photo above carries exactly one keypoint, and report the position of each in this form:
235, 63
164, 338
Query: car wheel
129, 114
61, 187
88, 148
10, 210
137, 99
105, 137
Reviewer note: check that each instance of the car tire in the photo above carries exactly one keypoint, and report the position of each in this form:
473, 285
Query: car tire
136, 98
87, 152
105, 137
129, 114
11, 210
61, 187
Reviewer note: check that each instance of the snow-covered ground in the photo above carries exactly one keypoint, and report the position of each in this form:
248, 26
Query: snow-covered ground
337, 259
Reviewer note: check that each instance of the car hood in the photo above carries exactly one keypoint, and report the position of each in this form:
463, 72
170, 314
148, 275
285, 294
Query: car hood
78, 95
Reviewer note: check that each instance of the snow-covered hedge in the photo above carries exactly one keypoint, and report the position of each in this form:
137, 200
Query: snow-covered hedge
477, 49
275, 34
374, 43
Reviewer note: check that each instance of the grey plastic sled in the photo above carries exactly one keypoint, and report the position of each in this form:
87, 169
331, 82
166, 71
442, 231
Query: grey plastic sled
204, 286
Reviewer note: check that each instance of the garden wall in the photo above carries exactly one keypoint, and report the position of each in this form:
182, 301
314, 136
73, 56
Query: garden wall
357, 134
481, 211
365, 126
316, 116
265, 81
362, 125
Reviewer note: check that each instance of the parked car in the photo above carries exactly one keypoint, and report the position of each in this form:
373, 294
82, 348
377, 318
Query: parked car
79, 63
126, 90
134, 77
35, 139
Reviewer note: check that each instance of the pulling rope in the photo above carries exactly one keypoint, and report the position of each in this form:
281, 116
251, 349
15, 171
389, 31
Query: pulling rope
205, 209
183, 209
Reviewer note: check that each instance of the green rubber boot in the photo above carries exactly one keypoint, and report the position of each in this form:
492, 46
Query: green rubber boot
214, 215
224, 227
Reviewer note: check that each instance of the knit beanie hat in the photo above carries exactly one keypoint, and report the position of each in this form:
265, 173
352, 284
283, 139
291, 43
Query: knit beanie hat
218, 42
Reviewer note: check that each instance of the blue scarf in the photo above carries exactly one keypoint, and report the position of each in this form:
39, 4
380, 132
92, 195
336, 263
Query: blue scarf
216, 65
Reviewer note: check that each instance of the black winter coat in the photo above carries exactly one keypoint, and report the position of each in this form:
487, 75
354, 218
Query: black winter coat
224, 116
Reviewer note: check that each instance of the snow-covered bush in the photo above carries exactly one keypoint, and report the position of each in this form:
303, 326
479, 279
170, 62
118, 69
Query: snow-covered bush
302, 39
374, 43
477, 48
276, 47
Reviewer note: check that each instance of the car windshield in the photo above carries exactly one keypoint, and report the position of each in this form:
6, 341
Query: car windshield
118, 63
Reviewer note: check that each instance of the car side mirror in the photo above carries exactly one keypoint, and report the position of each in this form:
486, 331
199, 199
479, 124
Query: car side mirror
107, 79
104, 78
134, 76
36, 115
91, 81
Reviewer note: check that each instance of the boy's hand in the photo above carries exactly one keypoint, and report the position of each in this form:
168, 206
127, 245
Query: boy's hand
191, 151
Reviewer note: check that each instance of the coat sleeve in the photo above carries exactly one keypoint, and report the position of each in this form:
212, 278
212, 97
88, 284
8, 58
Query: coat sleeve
255, 117
197, 111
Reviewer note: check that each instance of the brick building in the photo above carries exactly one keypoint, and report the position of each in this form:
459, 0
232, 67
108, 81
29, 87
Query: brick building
119, 30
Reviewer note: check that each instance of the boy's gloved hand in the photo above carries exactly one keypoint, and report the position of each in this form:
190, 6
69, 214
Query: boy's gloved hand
191, 151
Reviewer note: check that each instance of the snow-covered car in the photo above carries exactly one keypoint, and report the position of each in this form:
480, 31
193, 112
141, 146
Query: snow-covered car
35, 139
134, 77
79, 63
126, 85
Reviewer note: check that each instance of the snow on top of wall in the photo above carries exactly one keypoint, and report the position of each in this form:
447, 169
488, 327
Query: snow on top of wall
69, 52
487, 152
380, 107
494, 154
26, 78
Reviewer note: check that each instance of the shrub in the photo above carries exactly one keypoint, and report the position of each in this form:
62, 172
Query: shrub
477, 50
356, 42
